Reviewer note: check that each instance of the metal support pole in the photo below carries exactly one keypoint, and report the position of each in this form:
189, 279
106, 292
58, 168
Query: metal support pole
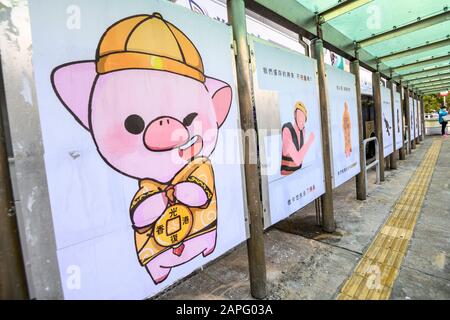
361, 191
407, 117
304, 45
327, 199
423, 117
393, 156
255, 244
387, 163
13, 283
419, 120
378, 119
416, 118
375, 163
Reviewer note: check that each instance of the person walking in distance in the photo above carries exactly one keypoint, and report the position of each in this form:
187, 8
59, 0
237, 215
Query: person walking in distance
442, 113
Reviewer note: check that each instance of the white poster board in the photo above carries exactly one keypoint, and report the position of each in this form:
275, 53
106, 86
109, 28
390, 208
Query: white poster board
365, 81
107, 122
417, 110
412, 121
415, 119
419, 116
398, 121
386, 120
344, 125
289, 129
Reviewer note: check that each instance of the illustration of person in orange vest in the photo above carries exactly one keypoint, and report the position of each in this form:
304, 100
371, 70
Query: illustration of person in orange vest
347, 127
294, 144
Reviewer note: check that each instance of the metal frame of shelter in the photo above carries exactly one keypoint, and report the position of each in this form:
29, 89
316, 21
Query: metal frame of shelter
411, 49
414, 58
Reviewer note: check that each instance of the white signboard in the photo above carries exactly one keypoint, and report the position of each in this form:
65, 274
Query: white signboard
287, 108
344, 125
412, 122
386, 120
417, 108
419, 116
135, 206
398, 121
365, 77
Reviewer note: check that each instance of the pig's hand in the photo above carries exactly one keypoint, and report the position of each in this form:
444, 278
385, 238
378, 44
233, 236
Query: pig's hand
149, 210
191, 194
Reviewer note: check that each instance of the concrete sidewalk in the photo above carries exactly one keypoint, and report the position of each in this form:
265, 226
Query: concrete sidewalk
425, 273
305, 263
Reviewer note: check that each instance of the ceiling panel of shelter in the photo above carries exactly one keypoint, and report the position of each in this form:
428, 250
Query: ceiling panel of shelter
379, 16
369, 18
419, 56
318, 5
429, 71
431, 66
411, 40
383, 15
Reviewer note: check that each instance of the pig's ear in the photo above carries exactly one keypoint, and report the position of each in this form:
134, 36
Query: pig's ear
72, 84
221, 95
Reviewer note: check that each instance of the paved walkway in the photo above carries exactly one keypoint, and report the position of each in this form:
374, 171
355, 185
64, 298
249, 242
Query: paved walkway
305, 263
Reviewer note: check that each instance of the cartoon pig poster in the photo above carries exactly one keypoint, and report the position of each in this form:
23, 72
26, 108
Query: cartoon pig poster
155, 115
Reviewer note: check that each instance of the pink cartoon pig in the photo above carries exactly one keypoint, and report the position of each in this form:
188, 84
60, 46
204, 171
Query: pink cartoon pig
154, 116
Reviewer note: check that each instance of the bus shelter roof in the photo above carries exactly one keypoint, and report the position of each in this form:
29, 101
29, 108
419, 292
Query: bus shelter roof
406, 40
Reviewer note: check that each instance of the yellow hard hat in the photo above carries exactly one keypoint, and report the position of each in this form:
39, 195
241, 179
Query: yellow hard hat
300, 106
148, 42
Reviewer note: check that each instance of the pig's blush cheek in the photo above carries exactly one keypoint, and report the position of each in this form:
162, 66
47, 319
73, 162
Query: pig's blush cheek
117, 144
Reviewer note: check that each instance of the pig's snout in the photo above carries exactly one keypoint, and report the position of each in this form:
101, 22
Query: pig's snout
165, 133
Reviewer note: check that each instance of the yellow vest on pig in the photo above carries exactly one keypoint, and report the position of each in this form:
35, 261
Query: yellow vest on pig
178, 222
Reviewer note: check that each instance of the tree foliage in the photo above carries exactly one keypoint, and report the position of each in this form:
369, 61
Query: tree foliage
432, 102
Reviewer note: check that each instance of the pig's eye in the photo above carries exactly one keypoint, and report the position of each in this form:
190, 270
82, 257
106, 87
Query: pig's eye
187, 121
134, 124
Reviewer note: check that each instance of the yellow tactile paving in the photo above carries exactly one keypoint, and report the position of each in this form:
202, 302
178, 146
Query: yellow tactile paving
375, 274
